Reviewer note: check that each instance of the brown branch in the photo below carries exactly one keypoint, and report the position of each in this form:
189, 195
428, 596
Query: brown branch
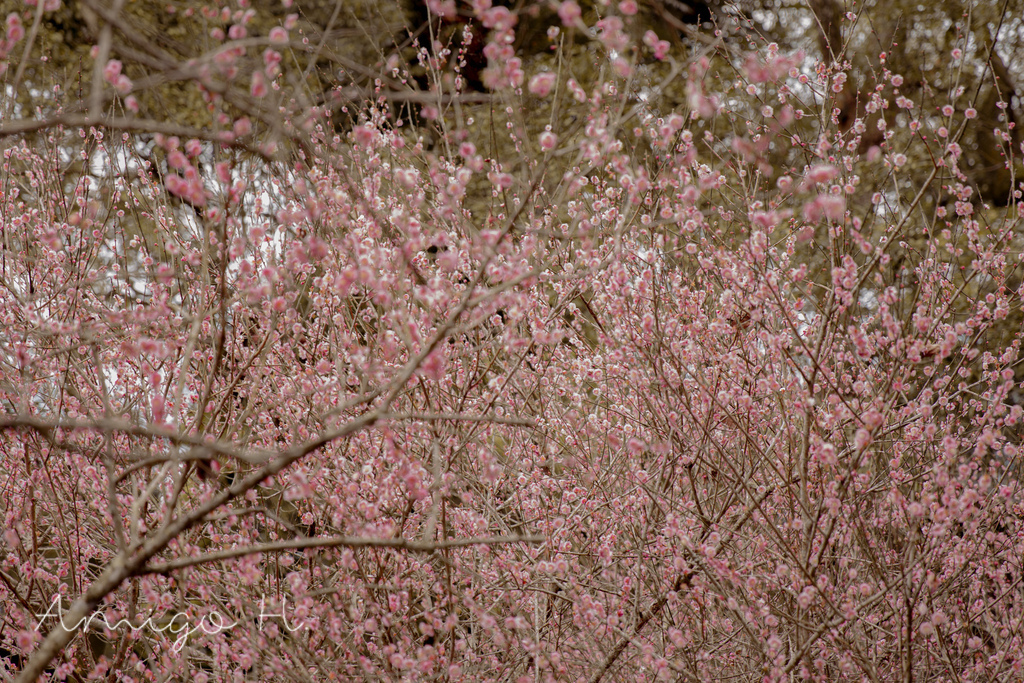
132, 125
332, 542
453, 417
125, 564
830, 37
683, 580
107, 426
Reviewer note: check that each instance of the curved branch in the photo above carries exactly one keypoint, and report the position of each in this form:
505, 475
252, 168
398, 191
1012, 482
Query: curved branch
108, 426
332, 542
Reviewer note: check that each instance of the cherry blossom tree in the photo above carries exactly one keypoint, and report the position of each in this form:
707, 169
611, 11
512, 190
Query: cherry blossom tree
556, 381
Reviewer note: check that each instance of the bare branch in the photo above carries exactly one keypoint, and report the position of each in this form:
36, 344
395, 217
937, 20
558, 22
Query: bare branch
334, 542
108, 426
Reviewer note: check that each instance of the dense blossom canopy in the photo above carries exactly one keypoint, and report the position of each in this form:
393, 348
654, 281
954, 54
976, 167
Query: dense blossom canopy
540, 341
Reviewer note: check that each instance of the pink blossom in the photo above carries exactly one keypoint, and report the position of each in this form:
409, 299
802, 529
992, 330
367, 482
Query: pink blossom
660, 47
26, 639
242, 127
112, 71
15, 29
364, 135
177, 160
223, 171
258, 87
444, 9
569, 12
822, 173
278, 35
123, 85
460, 416
498, 18
542, 83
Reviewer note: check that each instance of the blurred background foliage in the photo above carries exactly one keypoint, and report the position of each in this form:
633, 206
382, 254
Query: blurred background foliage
339, 52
